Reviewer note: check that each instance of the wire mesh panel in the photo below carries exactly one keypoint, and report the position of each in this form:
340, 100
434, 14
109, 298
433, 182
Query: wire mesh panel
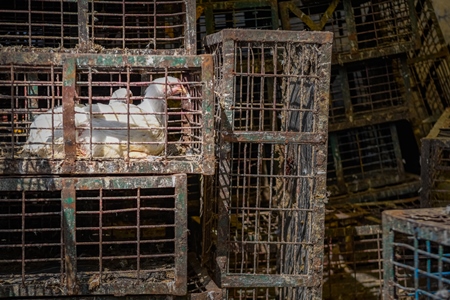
353, 265
88, 236
416, 254
145, 25
435, 164
250, 14
358, 26
158, 27
39, 23
368, 92
363, 158
264, 208
130, 113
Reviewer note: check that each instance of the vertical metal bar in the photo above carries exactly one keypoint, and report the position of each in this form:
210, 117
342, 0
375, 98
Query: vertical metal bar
346, 97
428, 247
397, 151
425, 172
83, 23
208, 114
209, 18
29, 23
100, 235
440, 269
334, 145
190, 34
416, 264
274, 10
138, 234
180, 234
388, 256
68, 199
351, 26
23, 237
69, 132
414, 27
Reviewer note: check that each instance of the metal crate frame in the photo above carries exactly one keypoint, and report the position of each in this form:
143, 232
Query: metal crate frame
69, 280
218, 193
203, 163
348, 174
415, 247
327, 19
370, 92
434, 163
87, 13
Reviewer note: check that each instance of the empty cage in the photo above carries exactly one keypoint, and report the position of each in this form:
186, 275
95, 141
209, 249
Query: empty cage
93, 236
164, 116
369, 92
416, 253
272, 99
435, 164
157, 27
359, 27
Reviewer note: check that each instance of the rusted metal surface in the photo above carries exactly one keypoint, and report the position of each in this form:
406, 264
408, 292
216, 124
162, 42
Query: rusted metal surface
272, 92
416, 247
250, 14
353, 265
435, 169
369, 92
85, 79
364, 158
362, 30
151, 27
93, 236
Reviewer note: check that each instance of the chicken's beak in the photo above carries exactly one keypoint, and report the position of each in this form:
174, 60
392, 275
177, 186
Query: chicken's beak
179, 89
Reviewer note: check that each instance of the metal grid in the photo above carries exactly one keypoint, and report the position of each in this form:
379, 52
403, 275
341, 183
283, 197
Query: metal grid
158, 27
368, 92
416, 254
353, 266
363, 158
177, 137
258, 231
39, 23
359, 27
435, 164
278, 293
250, 14
88, 236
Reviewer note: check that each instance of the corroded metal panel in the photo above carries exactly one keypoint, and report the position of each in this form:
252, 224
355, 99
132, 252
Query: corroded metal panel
67, 88
93, 236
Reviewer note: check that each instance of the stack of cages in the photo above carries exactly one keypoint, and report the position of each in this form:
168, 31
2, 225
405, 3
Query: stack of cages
100, 124
214, 16
416, 253
353, 264
435, 164
264, 209
370, 117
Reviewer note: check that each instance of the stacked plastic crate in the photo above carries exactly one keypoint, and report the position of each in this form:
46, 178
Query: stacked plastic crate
94, 197
264, 216
371, 105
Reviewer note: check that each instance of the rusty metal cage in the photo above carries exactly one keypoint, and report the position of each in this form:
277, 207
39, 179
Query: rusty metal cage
92, 236
416, 254
363, 158
158, 27
250, 14
362, 29
353, 265
369, 92
264, 207
177, 137
435, 164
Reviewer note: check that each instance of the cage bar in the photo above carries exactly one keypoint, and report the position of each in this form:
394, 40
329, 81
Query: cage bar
416, 253
362, 29
435, 160
353, 265
264, 209
250, 14
128, 135
369, 92
93, 236
151, 27
363, 158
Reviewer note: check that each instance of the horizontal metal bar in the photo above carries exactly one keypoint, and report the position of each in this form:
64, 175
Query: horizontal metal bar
269, 280
275, 137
